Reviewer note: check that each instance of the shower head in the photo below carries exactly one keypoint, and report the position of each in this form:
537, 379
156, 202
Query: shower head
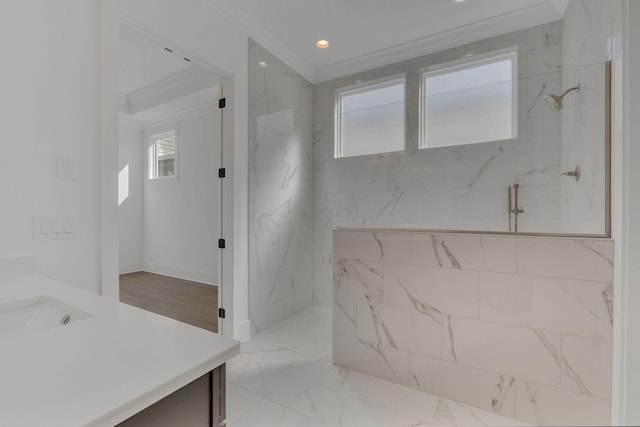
554, 102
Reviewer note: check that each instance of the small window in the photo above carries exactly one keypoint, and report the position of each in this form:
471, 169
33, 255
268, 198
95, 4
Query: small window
370, 118
470, 101
162, 156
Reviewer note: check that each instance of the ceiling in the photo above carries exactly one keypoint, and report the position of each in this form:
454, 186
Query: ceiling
363, 34
155, 82
370, 33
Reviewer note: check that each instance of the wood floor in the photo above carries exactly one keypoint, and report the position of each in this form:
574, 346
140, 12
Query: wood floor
189, 302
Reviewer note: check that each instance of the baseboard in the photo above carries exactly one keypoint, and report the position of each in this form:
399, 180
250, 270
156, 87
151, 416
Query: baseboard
181, 273
130, 268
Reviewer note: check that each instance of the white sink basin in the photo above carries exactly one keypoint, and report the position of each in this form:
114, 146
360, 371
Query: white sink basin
35, 315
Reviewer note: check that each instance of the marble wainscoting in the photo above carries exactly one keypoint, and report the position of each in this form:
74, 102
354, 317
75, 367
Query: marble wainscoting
521, 326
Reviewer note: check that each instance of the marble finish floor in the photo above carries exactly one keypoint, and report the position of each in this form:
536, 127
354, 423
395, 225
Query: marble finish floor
284, 377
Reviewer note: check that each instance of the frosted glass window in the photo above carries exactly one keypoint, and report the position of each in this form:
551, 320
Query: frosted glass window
370, 119
162, 156
470, 102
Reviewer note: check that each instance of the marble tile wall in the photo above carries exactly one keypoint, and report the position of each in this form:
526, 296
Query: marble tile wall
521, 326
449, 188
280, 187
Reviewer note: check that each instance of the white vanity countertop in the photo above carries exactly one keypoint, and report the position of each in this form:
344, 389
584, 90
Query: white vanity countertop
101, 370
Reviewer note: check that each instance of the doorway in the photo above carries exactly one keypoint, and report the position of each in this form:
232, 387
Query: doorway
169, 192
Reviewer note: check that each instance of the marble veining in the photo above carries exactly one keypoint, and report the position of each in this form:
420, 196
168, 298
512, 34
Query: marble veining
442, 188
378, 350
348, 315
368, 276
380, 327
505, 384
536, 99
473, 326
440, 242
389, 208
553, 351
542, 170
574, 377
451, 344
280, 190
585, 244
483, 168
420, 306
576, 297
291, 172
607, 297
532, 399
308, 391
377, 239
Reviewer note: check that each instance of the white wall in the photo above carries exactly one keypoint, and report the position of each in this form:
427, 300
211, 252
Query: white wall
182, 216
626, 217
130, 210
50, 82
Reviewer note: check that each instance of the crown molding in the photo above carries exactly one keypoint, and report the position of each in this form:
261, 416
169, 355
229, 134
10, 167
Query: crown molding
197, 110
184, 83
263, 38
540, 13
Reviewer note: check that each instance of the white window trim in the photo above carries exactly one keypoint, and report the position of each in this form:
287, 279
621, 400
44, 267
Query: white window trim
473, 61
152, 160
365, 87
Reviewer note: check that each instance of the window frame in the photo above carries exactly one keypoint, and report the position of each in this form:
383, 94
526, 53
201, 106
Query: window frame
152, 157
466, 63
361, 88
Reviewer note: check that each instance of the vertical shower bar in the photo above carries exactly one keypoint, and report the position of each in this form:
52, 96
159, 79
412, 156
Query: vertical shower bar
516, 208
509, 206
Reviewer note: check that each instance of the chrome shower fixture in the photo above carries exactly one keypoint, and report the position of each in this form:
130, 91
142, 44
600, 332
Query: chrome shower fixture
555, 101
513, 210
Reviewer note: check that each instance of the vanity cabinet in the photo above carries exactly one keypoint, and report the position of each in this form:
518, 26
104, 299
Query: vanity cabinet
200, 403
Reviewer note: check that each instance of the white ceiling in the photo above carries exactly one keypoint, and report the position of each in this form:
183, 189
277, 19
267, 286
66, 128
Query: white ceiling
364, 34
156, 83
143, 62
369, 33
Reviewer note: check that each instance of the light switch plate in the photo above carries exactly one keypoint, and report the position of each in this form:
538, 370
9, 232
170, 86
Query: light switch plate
54, 228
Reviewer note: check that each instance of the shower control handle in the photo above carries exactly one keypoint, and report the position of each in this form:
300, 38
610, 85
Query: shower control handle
574, 173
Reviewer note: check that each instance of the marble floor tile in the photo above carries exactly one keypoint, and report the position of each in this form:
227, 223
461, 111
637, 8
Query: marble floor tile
284, 377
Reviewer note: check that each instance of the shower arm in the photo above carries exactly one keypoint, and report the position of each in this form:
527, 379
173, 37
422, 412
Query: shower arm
576, 88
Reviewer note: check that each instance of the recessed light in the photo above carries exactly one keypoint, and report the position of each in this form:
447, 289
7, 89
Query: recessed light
263, 64
458, 1
322, 44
